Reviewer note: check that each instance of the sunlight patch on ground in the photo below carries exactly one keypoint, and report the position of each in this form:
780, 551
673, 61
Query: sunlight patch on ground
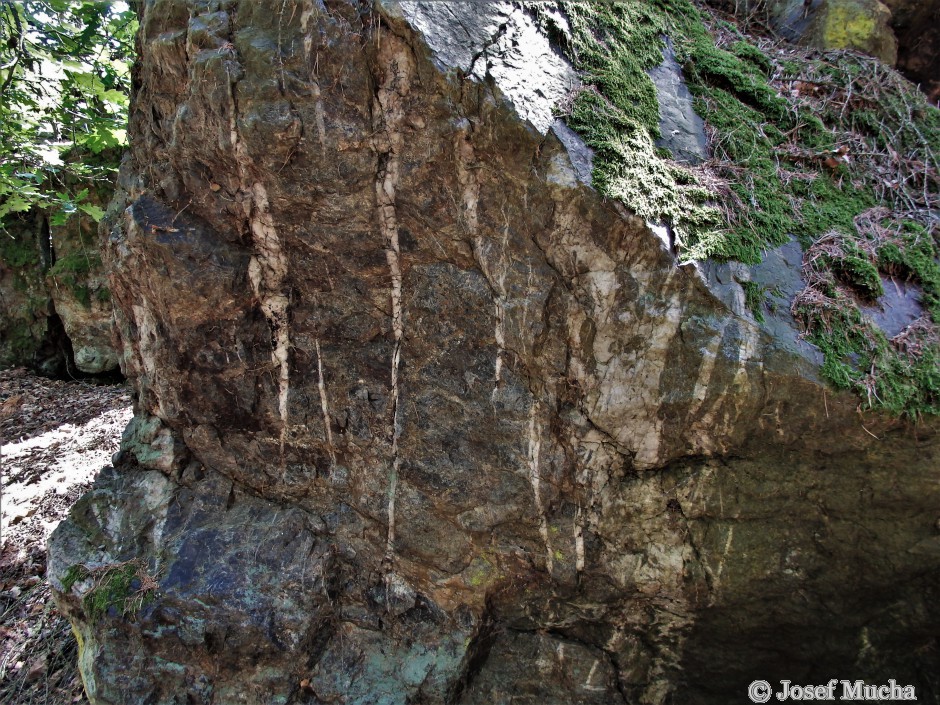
55, 461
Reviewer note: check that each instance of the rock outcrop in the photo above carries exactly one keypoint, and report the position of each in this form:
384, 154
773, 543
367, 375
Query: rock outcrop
55, 305
902, 33
421, 417
863, 25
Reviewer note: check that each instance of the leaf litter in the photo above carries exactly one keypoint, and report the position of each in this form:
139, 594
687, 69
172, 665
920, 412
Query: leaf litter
54, 437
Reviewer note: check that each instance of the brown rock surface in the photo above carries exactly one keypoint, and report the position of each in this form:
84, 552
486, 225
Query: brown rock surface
421, 418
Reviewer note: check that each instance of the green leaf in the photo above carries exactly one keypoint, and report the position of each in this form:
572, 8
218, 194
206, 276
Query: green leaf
65, 100
92, 210
60, 217
15, 204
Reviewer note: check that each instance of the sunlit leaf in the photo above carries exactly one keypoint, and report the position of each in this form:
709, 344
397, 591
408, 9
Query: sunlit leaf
91, 209
66, 96
59, 218
15, 204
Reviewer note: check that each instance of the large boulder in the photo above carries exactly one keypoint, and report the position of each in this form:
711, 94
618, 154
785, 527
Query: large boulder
916, 25
421, 417
902, 33
863, 25
55, 304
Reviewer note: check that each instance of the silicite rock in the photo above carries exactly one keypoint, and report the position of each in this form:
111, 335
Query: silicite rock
863, 25
423, 419
903, 33
55, 307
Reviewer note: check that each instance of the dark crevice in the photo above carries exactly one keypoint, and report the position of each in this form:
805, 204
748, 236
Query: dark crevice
917, 28
55, 358
478, 652
46, 250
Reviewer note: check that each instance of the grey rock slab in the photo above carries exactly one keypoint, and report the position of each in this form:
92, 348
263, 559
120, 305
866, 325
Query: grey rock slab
496, 41
897, 308
682, 130
779, 274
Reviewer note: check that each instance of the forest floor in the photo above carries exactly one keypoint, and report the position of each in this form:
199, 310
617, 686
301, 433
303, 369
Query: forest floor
54, 437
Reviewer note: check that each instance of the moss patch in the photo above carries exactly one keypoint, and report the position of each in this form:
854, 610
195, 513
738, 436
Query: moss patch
18, 249
17, 343
122, 588
72, 271
803, 145
900, 374
755, 297
614, 45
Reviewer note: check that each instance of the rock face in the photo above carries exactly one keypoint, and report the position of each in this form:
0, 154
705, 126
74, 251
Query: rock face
902, 33
917, 26
421, 418
24, 303
863, 25
55, 305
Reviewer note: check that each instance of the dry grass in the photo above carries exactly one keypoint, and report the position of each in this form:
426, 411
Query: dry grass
38, 651
919, 335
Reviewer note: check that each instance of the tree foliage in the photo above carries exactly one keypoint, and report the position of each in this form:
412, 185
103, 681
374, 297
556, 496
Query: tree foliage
64, 86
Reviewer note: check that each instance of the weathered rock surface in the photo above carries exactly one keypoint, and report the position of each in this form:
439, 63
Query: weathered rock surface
24, 303
916, 25
421, 418
902, 33
863, 25
683, 131
55, 306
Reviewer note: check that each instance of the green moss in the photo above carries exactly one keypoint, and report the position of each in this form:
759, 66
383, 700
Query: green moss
901, 375
73, 575
18, 344
83, 294
72, 271
837, 328
859, 273
913, 255
859, 358
825, 206
754, 56
755, 297
787, 163
615, 45
18, 250
75, 264
113, 590
124, 587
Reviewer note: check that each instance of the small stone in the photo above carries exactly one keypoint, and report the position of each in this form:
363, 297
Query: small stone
36, 669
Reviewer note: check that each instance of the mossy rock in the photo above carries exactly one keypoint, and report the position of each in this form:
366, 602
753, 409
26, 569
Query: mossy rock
119, 589
782, 158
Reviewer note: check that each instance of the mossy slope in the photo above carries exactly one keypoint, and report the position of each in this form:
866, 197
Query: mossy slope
803, 146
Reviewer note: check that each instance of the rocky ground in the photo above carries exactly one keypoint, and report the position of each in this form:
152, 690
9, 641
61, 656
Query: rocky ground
55, 436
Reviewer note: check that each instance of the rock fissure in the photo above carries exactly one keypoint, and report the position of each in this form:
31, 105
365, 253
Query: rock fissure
494, 273
268, 268
535, 479
395, 74
325, 406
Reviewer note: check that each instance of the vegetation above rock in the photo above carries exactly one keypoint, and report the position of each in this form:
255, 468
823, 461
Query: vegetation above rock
64, 85
824, 147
